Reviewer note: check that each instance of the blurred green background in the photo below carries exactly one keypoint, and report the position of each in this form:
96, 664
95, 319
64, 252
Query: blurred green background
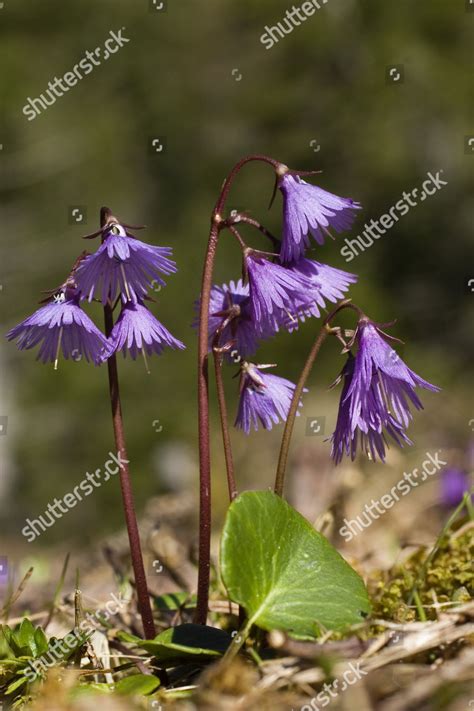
198, 76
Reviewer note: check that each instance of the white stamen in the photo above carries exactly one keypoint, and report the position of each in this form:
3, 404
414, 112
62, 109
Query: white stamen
58, 348
146, 361
125, 283
327, 232
291, 317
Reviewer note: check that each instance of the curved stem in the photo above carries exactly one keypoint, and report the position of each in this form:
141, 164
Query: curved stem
229, 462
246, 220
203, 392
288, 431
235, 170
204, 441
290, 420
143, 597
235, 232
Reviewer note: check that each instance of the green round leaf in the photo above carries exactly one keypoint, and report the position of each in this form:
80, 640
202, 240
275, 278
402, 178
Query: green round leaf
187, 641
286, 574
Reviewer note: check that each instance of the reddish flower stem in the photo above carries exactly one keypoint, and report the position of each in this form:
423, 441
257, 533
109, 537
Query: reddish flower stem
290, 420
203, 392
226, 442
143, 597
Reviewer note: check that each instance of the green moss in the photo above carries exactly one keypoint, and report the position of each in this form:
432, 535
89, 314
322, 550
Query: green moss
448, 579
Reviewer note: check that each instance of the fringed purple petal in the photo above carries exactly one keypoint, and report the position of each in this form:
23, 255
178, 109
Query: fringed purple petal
376, 396
240, 330
123, 265
268, 404
61, 322
308, 209
275, 294
136, 330
325, 284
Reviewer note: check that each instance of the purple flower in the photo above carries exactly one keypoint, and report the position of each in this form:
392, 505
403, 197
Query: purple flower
61, 325
310, 209
326, 284
454, 484
275, 293
226, 300
122, 265
137, 330
262, 397
367, 433
375, 401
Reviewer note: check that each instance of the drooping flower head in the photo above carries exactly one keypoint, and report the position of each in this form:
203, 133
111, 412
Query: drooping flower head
367, 432
275, 292
138, 331
122, 265
325, 284
376, 397
231, 303
308, 209
264, 398
61, 326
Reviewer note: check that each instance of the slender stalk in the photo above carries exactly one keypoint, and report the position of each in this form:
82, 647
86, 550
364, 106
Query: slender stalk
229, 462
203, 392
238, 641
204, 441
144, 606
246, 220
290, 420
